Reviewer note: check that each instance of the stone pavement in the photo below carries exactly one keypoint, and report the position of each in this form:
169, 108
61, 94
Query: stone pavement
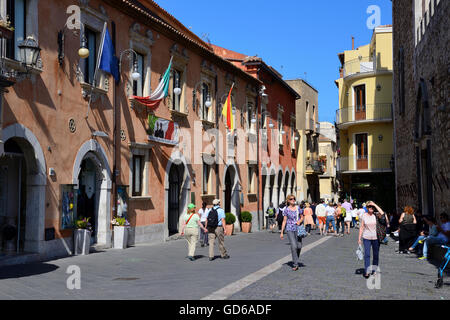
162, 271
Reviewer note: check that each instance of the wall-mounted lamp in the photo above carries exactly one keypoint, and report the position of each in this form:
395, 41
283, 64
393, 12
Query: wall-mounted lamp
271, 125
208, 102
29, 52
177, 89
380, 137
253, 119
83, 51
378, 87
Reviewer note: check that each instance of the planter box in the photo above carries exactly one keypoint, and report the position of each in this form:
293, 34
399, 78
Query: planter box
229, 229
246, 227
120, 237
82, 241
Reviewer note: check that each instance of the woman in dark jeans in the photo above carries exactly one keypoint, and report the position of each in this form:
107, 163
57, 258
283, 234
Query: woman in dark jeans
293, 217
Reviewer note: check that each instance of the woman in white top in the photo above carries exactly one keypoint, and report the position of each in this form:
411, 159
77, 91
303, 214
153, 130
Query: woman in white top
203, 213
368, 236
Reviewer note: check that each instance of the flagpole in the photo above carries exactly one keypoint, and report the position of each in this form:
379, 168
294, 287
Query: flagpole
100, 52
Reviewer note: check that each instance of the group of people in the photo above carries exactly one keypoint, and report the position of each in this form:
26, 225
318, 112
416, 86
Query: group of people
210, 222
415, 233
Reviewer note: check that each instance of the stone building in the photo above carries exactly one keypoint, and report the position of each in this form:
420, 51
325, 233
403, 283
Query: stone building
74, 146
329, 185
307, 123
274, 125
421, 104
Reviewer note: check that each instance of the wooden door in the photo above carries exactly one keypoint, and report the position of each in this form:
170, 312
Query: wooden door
361, 152
360, 103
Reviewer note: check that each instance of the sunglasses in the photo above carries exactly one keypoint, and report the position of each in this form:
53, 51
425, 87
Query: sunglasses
291, 199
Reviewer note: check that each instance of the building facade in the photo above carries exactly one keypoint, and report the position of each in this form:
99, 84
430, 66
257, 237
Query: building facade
364, 121
329, 186
307, 123
274, 124
421, 105
78, 144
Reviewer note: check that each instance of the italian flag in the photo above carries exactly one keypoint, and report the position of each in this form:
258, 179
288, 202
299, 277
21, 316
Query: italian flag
227, 111
161, 91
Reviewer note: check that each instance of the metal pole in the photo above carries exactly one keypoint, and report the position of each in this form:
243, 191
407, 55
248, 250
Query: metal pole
19, 206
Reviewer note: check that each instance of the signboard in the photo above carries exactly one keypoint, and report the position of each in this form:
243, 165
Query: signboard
162, 130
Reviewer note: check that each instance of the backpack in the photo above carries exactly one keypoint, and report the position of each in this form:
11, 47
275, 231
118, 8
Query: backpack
213, 219
271, 212
343, 212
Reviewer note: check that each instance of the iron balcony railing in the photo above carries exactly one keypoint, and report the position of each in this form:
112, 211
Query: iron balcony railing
359, 65
371, 112
371, 162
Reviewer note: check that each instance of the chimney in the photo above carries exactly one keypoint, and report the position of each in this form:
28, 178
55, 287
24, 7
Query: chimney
353, 43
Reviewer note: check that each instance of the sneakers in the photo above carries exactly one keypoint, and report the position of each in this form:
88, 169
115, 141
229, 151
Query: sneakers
211, 259
423, 258
226, 257
191, 258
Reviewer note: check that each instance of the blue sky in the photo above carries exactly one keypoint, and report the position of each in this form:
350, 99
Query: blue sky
293, 36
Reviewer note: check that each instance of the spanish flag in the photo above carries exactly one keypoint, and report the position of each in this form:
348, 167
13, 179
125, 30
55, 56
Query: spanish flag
227, 111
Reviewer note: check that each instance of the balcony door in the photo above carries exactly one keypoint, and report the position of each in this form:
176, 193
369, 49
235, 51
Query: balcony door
361, 151
360, 102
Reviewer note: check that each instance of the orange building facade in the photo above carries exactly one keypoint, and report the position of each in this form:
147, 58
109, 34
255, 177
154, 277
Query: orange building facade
72, 148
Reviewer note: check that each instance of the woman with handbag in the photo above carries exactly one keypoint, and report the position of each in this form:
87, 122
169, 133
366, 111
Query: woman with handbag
368, 237
292, 218
190, 228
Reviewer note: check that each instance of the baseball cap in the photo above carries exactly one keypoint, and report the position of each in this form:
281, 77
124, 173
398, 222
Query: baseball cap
191, 206
216, 202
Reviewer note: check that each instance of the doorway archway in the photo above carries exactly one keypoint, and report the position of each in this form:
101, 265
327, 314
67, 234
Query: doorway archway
175, 183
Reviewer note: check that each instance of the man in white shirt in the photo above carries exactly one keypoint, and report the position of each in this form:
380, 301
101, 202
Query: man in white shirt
321, 213
331, 211
203, 213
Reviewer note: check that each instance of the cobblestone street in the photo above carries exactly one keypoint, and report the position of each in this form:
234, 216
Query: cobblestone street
330, 271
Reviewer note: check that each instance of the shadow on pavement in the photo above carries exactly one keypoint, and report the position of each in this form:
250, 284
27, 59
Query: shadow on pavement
26, 270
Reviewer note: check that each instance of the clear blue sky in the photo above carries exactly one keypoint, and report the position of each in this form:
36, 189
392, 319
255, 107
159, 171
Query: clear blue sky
293, 36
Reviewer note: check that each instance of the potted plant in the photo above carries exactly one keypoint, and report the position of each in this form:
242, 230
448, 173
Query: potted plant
230, 219
120, 232
6, 30
82, 236
246, 221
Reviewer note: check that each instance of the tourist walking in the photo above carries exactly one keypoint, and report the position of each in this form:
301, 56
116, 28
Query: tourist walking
271, 214
203, 212
348, 220
368, 237
354, 214
331, 211
279, 216
292, 218
190, 230
339, 219
321, 213
314, 216
308, 215
215, 222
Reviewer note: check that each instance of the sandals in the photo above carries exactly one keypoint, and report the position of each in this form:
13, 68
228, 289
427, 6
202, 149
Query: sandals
295, 268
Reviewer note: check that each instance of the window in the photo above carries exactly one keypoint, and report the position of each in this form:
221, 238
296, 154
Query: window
90, 62
207, 180
280, 128
292, 134
16, 11
138, 173
250, 115
252, 179
176, 83
205, 95
360, 102
138, 85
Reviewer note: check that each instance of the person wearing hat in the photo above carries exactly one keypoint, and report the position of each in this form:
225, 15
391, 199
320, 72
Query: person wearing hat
216, 231
190, 229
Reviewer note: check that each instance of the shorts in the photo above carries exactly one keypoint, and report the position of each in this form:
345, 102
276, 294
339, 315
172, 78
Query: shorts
322, 220
271, 221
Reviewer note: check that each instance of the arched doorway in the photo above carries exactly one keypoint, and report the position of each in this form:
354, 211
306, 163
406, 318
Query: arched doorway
279, 187
13, 196
176, 174
228, 190
286, 184
88, 196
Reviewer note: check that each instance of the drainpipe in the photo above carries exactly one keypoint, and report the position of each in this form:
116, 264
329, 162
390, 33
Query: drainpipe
258, 110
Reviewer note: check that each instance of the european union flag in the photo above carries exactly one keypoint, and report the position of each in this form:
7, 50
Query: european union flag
108, 60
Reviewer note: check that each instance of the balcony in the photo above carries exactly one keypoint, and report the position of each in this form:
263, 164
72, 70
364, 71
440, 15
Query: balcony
379, 112
310, 126
370, 163
359, 65
314, 167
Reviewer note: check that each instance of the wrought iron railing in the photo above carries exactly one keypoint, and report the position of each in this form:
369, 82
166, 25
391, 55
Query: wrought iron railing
371, 162
379, 111
359, 65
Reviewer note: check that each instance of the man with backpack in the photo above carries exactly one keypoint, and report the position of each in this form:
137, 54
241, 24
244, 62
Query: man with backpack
215, 222
271, 217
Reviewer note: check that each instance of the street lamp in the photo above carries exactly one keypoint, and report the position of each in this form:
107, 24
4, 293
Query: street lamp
83, 51
29, 52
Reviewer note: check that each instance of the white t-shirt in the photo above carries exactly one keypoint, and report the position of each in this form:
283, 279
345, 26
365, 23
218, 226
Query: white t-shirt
370, 226
354, 213
321, 211
445, 227
330, 211
361, 212
203, 214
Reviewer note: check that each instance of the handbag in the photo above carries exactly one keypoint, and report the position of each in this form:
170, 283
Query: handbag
381, 228
301, 231
359, 253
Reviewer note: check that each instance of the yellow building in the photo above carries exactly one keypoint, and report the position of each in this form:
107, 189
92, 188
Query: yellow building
364, 121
